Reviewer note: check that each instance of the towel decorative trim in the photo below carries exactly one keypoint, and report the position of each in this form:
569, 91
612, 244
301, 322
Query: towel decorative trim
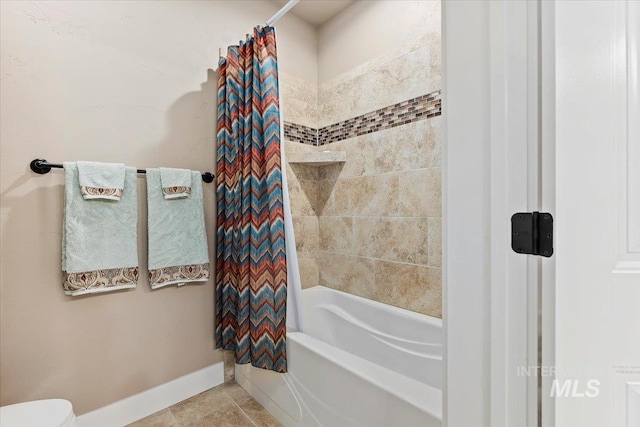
95, 281
101, 193
176, 192
179, 274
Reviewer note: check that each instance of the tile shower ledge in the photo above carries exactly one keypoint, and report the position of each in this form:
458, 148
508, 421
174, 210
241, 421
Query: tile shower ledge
321, 158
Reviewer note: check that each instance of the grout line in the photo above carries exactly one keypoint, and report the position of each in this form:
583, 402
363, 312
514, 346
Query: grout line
245, 414
240, 408
368, 217
174, 420
369, 175
379, 259
364, 216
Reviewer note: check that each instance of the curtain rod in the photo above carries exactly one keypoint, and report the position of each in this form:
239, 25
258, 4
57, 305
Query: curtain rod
41, 166
279, 14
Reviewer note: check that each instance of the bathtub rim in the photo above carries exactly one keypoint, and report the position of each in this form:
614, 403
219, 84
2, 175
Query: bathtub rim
432, 321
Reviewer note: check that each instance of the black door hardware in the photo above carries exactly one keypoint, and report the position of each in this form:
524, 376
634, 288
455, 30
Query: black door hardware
532, 233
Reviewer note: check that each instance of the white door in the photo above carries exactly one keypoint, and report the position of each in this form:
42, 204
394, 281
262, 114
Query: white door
597, 214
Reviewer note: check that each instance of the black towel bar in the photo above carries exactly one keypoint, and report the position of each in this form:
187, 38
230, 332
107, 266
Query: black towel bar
41, 166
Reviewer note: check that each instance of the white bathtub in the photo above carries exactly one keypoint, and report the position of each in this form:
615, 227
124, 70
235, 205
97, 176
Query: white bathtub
360, 363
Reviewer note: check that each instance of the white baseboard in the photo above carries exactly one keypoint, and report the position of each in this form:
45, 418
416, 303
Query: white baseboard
143, 404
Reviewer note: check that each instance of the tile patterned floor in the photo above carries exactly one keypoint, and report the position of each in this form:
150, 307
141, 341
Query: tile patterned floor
227, 405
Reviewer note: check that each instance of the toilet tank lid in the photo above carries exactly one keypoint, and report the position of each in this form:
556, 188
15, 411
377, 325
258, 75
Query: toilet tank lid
49, 412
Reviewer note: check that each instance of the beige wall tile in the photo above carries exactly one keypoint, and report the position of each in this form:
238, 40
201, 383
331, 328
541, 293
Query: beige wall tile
435, 63
297, 147
403, 239
325, 202
376, 195
362, 91
301, 171
347, 273
302, 194
408, 147
331, 172
430, 131
395, 148
435, 242
341, 191
336, 234
229, 366
302, 191
360, 152
409, 286
365, 236
307, 233
392, 239
372, 236
309, 272
421, 193
299, 100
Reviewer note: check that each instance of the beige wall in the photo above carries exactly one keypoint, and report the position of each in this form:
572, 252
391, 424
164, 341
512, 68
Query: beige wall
117, 82
375, 29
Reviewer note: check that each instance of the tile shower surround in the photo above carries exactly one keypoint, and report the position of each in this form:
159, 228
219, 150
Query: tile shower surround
351, 220
412, 110
371, 226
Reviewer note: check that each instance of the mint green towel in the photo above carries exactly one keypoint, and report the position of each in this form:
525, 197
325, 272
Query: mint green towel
99, 238
101, 180
176, 183
178, 250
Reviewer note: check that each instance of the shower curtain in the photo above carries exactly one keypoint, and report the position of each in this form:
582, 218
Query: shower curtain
253, 261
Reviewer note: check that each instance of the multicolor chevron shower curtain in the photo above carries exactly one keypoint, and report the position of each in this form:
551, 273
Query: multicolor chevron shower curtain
251, 265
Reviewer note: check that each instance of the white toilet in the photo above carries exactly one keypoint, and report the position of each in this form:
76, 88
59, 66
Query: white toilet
38, 413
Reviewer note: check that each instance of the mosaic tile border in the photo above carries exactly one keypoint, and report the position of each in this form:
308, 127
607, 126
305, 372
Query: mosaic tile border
299, 133
412, 110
